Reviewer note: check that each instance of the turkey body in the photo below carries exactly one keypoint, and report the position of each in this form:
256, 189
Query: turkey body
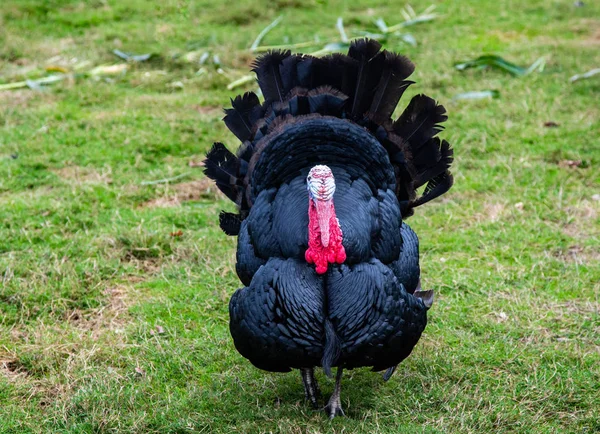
321, 160
278, 320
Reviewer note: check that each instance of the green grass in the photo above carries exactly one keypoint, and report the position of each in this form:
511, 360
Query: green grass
110, 322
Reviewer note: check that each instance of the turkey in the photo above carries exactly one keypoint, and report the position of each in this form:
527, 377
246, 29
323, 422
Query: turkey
323, 181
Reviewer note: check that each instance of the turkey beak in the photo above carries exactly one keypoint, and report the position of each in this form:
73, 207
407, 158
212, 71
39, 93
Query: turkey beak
324, 209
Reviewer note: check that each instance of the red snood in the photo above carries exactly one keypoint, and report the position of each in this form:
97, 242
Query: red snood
324, 236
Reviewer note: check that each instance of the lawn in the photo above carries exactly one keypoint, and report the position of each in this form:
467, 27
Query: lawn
115, 277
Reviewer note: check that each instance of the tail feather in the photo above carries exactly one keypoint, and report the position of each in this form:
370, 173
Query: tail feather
435, 188
335, 70
245, 112
305, 72
326, 100
267, 69
368, 72
392, 84
289, 72
222, 166
420, 121
427, 157
431, 163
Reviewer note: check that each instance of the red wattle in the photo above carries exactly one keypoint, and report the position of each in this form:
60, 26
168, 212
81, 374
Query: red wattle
317, 253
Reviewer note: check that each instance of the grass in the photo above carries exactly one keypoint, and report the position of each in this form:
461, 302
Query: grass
114, 293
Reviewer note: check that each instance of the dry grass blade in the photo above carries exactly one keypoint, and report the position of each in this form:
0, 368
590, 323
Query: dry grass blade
108, 70
410, 18
340, 27
263, 48
482, 94
132, 57
588, 74
241, 81
166, 180
264, 32
33, 84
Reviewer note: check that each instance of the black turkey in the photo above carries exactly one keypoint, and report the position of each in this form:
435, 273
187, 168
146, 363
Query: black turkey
323, 181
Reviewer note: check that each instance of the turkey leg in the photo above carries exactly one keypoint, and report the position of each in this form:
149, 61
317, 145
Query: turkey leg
334, 407
311, 387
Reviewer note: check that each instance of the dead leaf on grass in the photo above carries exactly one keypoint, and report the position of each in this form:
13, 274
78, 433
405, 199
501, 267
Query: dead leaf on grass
570, 163
201, 189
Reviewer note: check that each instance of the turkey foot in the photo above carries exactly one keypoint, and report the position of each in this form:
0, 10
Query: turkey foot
311, 387
334, 406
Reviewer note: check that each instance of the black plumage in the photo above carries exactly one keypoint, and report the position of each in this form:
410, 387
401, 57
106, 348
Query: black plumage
392, 84
222, 166
246, 111
370, 309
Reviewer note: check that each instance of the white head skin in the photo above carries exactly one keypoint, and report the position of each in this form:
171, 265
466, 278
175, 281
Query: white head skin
320, 183
321, 186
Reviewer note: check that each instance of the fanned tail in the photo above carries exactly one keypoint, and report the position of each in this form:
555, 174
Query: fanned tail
362, 88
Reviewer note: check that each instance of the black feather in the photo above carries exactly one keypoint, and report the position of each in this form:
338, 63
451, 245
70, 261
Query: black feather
326, 100
222, 167
230, 223
304, 71
370, 60
299, 105
267, 69
332, 348
245, 151
420, 121
440, 160
435, 188
241, 118
392, 85
288, 72
335, 70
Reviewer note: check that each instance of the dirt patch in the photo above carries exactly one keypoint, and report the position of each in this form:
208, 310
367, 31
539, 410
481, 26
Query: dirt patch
492, 211
594, 39
20, 98
59, 351
15, 98
103, 115
83, 175
509, 36
579, 255
177, 194
209, 111
110, 317
582, 219
11, 368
